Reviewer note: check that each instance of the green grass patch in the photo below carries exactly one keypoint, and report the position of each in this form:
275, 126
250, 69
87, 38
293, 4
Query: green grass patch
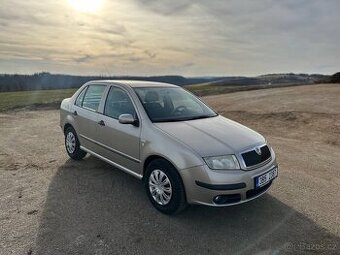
39, 98
11, 100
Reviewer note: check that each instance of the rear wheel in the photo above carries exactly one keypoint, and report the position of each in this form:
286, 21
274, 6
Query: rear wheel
164, 187
72, 144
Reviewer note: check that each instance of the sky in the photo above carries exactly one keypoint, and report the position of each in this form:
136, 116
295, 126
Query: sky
158, 37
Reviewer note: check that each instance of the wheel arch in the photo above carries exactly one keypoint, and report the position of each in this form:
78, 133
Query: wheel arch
150, 158
66, 126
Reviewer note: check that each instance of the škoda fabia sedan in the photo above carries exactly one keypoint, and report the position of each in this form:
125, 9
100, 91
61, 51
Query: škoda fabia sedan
183, 151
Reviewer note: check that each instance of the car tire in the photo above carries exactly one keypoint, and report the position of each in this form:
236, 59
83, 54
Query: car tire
72, 144
164, 187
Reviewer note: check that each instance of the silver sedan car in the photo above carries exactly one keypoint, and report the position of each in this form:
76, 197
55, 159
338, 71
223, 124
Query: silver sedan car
184, 152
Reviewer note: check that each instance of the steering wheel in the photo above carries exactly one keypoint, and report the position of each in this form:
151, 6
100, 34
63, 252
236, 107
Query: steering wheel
179, 109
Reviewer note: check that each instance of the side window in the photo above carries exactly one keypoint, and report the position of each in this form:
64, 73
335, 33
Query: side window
80, 98
93, 96
117, 103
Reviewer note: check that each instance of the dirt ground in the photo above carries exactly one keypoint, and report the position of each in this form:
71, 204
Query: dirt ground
52, 205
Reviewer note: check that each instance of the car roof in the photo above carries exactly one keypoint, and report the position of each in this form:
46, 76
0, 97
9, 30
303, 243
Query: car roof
135, 84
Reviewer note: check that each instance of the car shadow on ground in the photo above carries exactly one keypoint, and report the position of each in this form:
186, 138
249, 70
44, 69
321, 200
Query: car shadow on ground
92, 208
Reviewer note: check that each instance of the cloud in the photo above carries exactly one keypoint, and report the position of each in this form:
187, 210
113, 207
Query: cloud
165, 7
150, 54
84, 58
167, 36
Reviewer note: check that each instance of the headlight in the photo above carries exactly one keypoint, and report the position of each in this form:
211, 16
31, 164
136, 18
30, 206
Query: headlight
227, 162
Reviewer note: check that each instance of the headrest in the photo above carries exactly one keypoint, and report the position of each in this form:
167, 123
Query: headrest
151, 96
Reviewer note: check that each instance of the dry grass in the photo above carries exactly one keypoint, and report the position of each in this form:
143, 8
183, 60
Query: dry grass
12, 100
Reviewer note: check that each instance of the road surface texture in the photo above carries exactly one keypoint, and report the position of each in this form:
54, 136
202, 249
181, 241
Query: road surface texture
50, 204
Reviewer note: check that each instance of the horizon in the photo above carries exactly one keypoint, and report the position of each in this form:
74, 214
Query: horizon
178, 37
161, 75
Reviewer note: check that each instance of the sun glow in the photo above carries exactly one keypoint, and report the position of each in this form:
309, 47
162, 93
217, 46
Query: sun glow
86, 5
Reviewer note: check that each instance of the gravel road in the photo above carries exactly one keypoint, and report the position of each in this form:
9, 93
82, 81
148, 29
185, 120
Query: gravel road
52, 205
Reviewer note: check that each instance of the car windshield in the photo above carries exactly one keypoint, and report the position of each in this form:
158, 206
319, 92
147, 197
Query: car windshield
165, 104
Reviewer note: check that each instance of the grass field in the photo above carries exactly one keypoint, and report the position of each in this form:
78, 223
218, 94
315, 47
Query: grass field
11, 100
205, 89
21, 99
211, 89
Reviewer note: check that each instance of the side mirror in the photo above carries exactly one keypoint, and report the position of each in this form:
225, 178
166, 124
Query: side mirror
128, 119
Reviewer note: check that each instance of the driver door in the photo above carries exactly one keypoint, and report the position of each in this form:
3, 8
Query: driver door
121, 142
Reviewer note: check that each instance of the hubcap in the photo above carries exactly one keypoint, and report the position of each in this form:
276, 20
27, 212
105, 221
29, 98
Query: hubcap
70, 142
160, 187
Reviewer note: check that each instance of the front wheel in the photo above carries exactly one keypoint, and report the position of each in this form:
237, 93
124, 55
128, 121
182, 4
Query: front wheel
164, 187
72, 144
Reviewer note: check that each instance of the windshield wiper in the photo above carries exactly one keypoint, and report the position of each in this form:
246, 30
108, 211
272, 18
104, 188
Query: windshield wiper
185, 119
200, 117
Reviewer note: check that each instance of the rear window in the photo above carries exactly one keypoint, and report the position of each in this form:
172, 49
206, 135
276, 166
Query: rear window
80, 98
93, 97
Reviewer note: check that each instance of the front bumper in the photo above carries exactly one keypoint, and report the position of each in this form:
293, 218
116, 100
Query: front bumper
203, 185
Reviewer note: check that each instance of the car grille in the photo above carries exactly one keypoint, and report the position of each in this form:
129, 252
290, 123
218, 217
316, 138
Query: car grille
251, 158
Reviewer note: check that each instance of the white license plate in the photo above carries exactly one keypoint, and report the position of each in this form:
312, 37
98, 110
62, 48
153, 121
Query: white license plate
265, 178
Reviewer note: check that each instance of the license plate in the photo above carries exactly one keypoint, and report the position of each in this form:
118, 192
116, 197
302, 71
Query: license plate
265, 178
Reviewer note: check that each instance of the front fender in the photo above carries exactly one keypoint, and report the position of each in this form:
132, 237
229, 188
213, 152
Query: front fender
155, 142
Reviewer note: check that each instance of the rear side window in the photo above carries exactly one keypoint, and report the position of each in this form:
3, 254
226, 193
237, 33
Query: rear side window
118, 102
93, 96
80, 98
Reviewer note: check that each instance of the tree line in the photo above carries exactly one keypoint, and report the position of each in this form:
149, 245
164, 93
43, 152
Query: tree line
42, 81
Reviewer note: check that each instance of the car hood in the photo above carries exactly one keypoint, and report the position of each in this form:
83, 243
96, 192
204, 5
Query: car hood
213, 136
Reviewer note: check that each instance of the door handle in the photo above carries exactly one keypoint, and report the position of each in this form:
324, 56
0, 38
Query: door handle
102, 123
75, 113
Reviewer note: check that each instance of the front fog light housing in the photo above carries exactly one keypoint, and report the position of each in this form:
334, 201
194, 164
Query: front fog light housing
227, 162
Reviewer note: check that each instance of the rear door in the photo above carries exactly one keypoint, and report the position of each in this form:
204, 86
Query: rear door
86, 114
120, 142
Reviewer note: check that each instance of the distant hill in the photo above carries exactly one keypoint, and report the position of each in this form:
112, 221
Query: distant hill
271, 79
41, 81
335, 78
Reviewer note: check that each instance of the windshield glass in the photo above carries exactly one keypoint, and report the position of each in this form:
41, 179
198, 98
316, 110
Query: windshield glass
164, 104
